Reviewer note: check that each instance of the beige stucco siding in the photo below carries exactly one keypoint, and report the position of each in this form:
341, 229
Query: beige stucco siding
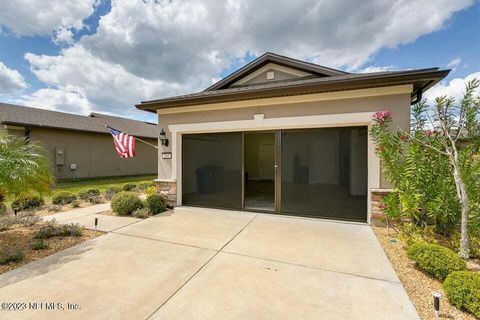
94, 154
399, 104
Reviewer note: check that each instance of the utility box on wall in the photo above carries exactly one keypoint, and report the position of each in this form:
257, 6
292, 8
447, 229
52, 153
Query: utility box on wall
59, 156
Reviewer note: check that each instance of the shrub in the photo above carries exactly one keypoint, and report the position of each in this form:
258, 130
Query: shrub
75, 204
39, 245
69, 230
126, 203
145, 185
6, 222
3, 208
10, 254
463, 291
26, 219
435, 260
47, 231
63, 197
141, 213
27, 202
410, 233
150, 191
88, 194
129, 186
54, 208
51, 229
473, 239
111, 191
156, 204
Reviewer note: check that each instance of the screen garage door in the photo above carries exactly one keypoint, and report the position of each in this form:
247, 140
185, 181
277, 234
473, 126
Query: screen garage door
212, 170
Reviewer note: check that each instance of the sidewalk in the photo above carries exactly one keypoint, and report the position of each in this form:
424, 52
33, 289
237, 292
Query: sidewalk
86, 218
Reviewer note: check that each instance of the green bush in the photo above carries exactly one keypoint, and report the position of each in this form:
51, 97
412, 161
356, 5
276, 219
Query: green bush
141, 213
27, 202
156, 204
69, 230
150, 191
75, 204
463, 291
411, 233
39, 245
3, 208
88, 194
51, 229
129, 186
26, 219
111, 191
145, 185
10, 254
435, 260
47, 231
125, 203
63, 197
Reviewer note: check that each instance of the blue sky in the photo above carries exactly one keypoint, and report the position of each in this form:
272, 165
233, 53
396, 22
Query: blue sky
106, 56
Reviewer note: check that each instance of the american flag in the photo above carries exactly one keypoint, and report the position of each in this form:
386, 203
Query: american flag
124, 143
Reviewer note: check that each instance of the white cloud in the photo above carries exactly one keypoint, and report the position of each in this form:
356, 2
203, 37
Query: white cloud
153, 48
454, 62
66, 99
64, 35
39, 18
374, 68
10, 80
453, 88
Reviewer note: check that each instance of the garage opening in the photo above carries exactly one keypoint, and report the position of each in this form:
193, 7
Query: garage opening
309, 172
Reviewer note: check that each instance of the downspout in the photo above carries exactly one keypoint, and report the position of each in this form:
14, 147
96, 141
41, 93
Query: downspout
419, 93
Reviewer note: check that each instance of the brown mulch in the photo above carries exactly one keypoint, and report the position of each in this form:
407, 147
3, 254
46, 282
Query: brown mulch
22, 237
419, 286
43, 211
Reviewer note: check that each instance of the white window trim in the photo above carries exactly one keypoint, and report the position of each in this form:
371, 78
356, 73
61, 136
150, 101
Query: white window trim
261, 123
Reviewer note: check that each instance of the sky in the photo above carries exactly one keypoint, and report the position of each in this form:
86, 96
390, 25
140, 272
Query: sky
106, 56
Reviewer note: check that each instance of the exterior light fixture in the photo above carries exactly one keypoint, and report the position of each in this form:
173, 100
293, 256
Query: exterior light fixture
436, 303
163, 138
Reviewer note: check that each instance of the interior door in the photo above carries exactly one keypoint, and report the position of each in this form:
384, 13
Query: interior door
266, 161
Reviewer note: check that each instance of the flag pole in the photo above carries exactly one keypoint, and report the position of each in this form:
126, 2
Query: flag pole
148, 143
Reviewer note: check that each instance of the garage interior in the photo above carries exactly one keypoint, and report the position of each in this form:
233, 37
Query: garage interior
318, 172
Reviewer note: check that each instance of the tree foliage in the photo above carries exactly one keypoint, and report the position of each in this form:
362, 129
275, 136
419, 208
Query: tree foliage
23, 166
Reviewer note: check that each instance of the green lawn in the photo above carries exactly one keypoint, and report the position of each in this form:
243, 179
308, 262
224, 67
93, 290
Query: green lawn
102, 184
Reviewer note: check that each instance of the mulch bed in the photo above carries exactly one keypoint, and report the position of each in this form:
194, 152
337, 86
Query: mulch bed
22, 237
419, 286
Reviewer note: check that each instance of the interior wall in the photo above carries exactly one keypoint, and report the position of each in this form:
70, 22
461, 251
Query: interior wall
252, 147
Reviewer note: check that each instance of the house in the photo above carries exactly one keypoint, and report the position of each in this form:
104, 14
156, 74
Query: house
81, 146
283, 136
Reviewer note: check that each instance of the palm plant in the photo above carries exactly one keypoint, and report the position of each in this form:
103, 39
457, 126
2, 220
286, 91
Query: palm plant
23, 167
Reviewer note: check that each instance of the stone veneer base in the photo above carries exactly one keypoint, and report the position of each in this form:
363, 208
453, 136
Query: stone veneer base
168, 189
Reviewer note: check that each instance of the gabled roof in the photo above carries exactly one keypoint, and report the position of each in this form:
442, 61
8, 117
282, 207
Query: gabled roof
95, 122
315, 69
421, 80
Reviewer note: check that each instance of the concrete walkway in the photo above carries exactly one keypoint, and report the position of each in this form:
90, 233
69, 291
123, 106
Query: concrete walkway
212, 264
86, 218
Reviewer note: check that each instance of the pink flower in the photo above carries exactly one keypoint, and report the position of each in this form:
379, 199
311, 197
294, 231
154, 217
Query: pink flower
429, 133
382, 206
382, 116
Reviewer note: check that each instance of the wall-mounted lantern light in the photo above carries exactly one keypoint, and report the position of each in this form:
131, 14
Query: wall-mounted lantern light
163, 138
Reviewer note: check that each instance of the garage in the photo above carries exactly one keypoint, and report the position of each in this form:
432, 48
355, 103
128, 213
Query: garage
318, 172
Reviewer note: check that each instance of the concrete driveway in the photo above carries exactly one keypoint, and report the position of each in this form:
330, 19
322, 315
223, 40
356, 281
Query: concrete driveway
212, 264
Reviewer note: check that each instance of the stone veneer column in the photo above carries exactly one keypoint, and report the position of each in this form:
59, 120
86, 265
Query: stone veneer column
168, 189
376, 200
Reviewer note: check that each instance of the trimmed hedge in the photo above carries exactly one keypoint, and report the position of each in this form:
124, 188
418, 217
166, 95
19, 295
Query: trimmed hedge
129, 186
156, 204
63, 197
435, 260
88, 194
28, 202
463, 291
125, 203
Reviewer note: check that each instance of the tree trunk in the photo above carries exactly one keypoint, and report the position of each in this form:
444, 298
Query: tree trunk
464, 251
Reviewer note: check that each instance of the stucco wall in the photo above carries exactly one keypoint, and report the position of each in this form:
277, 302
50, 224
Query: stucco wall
94, 154
399, 104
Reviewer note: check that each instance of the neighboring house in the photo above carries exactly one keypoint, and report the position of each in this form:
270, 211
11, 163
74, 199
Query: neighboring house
81, 146
283, 136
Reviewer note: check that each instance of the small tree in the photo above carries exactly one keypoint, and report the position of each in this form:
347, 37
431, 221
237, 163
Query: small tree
23, 167
454, 121
442, 153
